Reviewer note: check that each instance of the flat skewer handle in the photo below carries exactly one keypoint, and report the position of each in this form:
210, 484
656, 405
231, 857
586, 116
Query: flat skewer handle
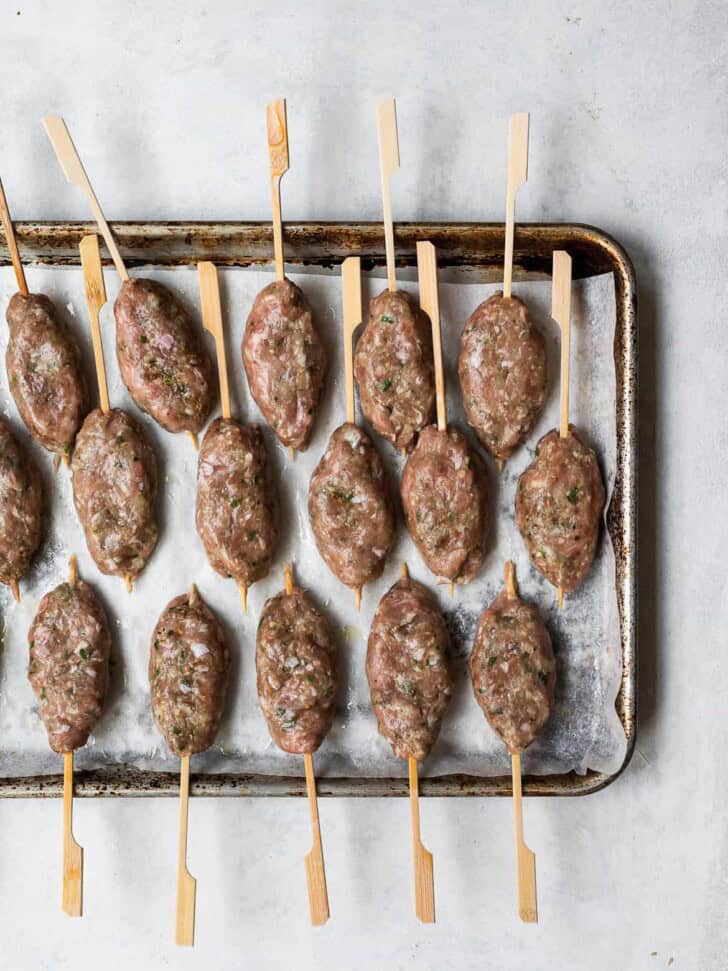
93, 278
430, 303
318, 898
278, 154
517, 175
72, 897
525, 858
422, 858
75, 173
388, 164
186, 883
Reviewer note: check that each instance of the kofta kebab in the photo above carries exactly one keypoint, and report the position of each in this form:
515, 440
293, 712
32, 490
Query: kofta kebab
397, 367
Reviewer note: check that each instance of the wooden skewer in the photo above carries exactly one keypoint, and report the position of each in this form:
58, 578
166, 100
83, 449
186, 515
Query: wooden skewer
318, 898
72, 895
517, 175
75, 173
12, 242
561, 312
421, 857
430, 303
351, 299
278, 154
388, 163
212, 321
424, 877
277, 126
93, 278
525, 858
15, 589
186, 883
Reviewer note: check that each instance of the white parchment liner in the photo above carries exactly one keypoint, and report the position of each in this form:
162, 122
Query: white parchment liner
583, 732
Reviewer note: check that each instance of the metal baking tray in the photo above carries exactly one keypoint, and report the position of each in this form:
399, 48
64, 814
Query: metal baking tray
465, 245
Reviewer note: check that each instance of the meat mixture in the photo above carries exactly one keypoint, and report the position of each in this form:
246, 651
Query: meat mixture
188, 674
114, 488
285, 361
295, 660
21, 501
394, 369
162, 358
408, 668
559, 503
236, 507
44, 372
513, 670
502, 369
350, 507
69, 663
444, 500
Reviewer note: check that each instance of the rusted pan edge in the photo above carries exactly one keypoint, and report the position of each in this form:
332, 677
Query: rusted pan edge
131, 782
459, 244
316, 244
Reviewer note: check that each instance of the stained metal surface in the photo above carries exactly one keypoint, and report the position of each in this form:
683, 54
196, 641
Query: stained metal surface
477, 245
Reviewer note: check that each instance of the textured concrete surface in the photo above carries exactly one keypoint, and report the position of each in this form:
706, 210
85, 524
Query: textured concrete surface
629, 133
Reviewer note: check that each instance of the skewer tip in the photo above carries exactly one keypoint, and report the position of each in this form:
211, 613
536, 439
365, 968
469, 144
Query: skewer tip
357, 597
500, 463
243, 596
292, 453
193, 596
452, 589
15, 588
288, 578
193, 439
509, 577
72, 569
128, 582
561, 598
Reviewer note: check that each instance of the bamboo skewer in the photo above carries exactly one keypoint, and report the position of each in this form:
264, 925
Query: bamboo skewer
277, 130
72, 894
15, 589
525, 858
278, 153
212, 321
517, 175
351, 297
93, 278
318, 898
388, 164
186, 883
421, 858
12, 243
430, 303
561, 312
75, 173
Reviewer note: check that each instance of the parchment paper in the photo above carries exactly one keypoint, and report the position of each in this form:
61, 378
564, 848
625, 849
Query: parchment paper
583, 732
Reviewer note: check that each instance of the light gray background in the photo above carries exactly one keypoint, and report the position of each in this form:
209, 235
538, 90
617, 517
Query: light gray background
629, 133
